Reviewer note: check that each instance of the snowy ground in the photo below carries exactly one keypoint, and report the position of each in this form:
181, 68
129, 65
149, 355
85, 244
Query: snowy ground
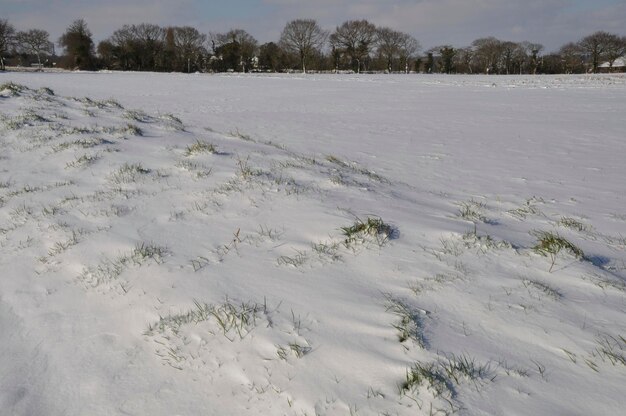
333, 245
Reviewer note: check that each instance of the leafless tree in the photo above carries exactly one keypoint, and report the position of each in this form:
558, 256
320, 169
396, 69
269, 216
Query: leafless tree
409, 47
531, 51
393, 46
463, 60
237, 47
188, 44
36, 42
139, 47
596, 47
487, 54
615, 48
355, 39
303, 37
571, 58
7, 33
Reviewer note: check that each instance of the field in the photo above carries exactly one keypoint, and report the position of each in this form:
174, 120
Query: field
312, 245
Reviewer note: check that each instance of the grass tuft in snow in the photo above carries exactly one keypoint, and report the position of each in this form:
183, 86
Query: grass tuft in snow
428, 380
439, 378
459, 367
200, 147
110, 269
484, 242
149, 251
129, 173
297, 260
529, 208
472, 211
132, 130
244, 170
86, 143
172, 122
542, 288
138, 116
574, 224
611, 349
410, 325
241, 135
327, 250
231, 318
44, 91
373, 228
12, 89
296, 349
83, 161
550, 245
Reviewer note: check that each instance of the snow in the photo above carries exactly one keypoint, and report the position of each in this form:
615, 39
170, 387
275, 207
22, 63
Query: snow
146, 272
618, 63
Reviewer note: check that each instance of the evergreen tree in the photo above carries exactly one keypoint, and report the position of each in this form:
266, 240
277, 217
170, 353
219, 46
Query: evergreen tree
78, 46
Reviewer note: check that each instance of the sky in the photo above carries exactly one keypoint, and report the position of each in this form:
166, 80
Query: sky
432, 22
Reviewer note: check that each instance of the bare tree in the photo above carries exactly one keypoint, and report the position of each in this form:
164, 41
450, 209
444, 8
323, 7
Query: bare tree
532, 51
487, 54
615, 48
389, 43
571, 58
35, 42
236, 48
303, 37
409, 47
463, 60
596, 46
7, 33
355, 39
507, 52
140, 47
188, 47
151, 40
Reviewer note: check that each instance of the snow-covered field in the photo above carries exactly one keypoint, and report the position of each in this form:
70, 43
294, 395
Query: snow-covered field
323, 245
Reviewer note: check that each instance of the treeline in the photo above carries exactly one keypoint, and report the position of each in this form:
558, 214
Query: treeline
355, 45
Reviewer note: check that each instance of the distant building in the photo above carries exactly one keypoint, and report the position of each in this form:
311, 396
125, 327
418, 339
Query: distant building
619, 65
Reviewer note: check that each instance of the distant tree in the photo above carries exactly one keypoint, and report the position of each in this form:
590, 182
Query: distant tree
508, 51
7, 33
571, 56
429, 65
355, 39
447, 58
35, 42
463, 60
408, 50
108, 55
596, 46
138, 47
150, 39
394, 46
303, 37
274, 58
533, 50
78, 45
235, 49
418, 64
188, 46
552, 64
389, 43
615, 48
487, 54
